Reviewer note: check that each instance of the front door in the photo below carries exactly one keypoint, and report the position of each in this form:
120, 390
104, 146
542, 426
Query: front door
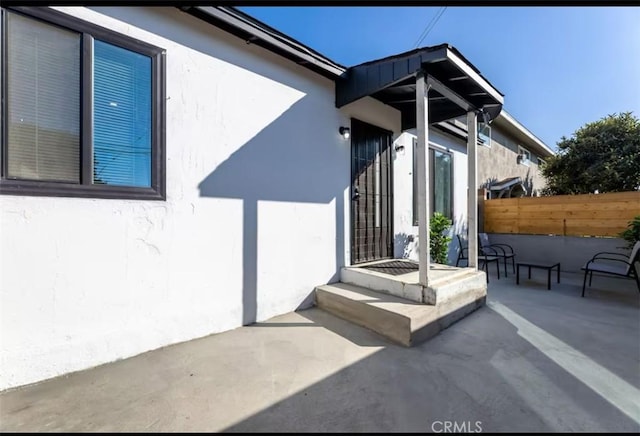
371, 193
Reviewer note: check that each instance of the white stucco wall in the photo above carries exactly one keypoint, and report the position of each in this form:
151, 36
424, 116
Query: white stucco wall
406, 234
256, 213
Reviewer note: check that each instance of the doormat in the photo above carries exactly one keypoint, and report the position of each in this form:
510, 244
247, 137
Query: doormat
393, 267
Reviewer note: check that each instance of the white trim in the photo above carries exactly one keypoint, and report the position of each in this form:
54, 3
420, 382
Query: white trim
522, 129
466, 69
485, 143
422, 127
472, 196
439, 147
502, 119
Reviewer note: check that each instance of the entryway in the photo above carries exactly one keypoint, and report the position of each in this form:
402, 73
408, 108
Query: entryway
371, 193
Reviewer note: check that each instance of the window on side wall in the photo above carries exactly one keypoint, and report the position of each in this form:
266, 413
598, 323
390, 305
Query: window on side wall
524, 157
441, 182
83, 111
484, 134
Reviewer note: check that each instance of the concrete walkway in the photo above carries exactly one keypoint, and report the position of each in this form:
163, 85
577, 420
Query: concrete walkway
531, 360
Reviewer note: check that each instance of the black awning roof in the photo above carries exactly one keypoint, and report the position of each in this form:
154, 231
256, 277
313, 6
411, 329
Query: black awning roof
457, 85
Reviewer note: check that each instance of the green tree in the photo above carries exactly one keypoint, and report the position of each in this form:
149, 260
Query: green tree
603, 155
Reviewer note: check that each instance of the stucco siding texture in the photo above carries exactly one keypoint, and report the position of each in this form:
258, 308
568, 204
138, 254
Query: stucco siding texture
256, 213
499, 162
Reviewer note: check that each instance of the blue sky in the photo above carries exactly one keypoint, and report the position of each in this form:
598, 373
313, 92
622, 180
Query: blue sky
559, 67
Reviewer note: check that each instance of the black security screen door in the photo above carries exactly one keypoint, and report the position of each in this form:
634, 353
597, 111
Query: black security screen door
371, 193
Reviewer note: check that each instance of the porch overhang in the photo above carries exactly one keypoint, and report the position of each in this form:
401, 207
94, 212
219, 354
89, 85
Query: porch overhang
456, 86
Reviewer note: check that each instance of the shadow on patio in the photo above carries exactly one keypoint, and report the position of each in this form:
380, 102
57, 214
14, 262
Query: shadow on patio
533, 360
513, 366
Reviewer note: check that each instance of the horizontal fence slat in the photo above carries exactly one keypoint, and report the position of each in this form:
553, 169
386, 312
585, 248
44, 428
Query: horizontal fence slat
581, 198
609, 205
592, 231
502, 230
562, 214
504, 215
573, 215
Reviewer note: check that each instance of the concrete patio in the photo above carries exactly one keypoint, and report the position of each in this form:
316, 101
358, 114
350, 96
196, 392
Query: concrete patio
531, 360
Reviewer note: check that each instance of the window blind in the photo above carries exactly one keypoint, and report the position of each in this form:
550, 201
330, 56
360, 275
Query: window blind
122, 116
43, 73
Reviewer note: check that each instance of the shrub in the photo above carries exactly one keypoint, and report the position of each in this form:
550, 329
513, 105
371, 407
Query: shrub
438, 241
632, 233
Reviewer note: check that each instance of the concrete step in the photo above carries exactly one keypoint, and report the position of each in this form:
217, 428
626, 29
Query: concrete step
403, 321
445, 282
453, 286
382, 283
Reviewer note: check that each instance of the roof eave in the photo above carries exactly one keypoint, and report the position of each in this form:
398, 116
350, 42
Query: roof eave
255, 32
405, 70
467, 68
373, 77
513, 126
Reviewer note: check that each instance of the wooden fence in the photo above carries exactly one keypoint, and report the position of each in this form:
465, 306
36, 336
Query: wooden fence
568, 215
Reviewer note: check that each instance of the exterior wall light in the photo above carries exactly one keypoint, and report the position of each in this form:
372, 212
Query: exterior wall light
345, 132
399, 148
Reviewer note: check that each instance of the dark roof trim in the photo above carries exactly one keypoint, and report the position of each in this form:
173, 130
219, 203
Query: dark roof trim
405, 65
255, 32
410, 53
402, 66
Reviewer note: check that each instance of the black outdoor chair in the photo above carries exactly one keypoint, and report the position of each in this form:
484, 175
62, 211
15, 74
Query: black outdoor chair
486, 256
504, 251
625, 266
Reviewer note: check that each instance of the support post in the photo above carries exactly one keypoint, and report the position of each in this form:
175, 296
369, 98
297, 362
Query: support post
472, 184
422, 151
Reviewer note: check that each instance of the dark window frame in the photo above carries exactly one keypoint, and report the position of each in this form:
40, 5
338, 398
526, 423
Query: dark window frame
85, 188
414, 204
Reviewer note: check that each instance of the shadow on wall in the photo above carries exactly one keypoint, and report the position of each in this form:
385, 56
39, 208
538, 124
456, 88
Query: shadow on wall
528, 184
490, 181
404, 245
278, 165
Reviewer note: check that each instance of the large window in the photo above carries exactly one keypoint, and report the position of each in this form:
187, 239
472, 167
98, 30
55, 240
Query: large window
440, 180
83, 109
